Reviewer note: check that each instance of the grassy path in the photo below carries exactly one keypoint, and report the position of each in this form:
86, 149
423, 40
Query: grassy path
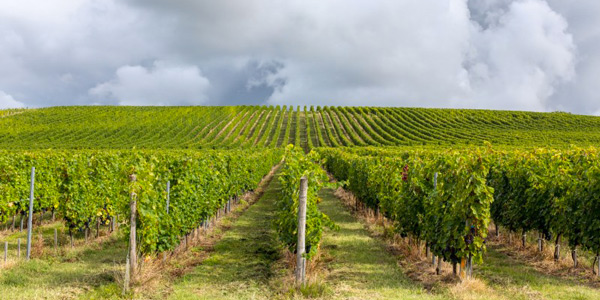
511, 277
242, 264
360, 266
67, 276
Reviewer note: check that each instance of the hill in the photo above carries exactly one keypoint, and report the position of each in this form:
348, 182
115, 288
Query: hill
102, 127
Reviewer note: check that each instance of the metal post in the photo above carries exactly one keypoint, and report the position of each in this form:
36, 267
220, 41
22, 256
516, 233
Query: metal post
168, 195
30, 219
301, 247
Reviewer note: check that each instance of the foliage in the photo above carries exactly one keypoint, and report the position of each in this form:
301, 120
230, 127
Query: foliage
296, 166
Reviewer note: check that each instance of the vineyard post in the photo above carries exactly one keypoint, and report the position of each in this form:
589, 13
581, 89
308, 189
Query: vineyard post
55, 238
168, 195
300, 249
437, 271
5, 251
127, 274
598, 259
19, 247
30, 219
132, 233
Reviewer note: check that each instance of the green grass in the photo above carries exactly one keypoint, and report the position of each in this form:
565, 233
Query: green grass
243, 263
521, 281
360, 267
68, 276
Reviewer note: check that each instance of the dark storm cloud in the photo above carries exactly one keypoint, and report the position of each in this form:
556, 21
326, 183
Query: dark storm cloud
506, 54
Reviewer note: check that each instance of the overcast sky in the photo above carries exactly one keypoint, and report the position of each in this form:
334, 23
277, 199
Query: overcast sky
540, 55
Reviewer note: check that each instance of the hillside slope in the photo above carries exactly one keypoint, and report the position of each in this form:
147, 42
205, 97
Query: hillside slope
198, 127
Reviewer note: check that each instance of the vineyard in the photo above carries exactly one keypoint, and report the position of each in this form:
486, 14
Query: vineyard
205, 202
306, 127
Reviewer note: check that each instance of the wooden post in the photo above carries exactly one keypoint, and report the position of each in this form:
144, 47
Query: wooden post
127, 274
523, 239
438, 269
30, 219
132, 234
301, 247
598, 259
112, 224
168, 195
574, 256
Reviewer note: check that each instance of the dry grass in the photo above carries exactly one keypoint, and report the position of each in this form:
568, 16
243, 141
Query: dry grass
544, 261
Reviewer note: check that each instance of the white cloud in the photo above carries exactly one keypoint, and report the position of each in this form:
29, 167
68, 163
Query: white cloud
7, 101
506, 54
163, 84
520, 54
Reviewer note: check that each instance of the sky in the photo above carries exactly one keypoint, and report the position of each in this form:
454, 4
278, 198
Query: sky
535, 55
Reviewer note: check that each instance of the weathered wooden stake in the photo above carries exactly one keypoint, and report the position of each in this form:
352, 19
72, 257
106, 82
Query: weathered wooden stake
30, 219
127, 274
523, 240
574, 256
438, 269
301, 247
132, 233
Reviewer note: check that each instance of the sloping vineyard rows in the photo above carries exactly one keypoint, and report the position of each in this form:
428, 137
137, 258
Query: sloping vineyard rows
551, 192
90, 186
307, 127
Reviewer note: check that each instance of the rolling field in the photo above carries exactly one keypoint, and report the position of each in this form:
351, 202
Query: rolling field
308, 127
202, 203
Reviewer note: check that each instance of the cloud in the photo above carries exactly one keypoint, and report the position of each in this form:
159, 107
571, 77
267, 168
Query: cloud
163, 84
521, 51
7, 101
505, 54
